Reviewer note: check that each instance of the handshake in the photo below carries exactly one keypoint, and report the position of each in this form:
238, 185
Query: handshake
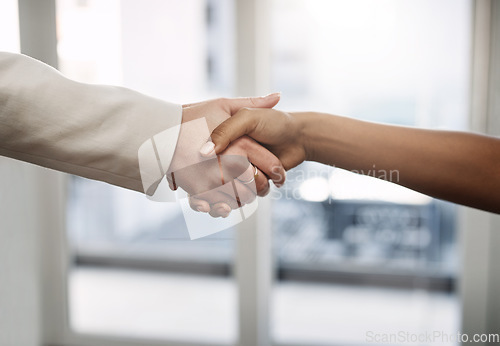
215, 162
228, 149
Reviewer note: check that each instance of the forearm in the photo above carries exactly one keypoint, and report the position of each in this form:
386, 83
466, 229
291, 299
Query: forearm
88, 130
459, 167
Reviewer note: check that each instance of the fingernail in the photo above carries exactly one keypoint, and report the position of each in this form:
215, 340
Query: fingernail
207, 148
273, 95
201, 209
223, 212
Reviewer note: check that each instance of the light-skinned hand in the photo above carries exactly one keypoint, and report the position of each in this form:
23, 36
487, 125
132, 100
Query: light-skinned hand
192, 148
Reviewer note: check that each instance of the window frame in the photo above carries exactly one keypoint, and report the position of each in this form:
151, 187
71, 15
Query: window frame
254, 263
479, 236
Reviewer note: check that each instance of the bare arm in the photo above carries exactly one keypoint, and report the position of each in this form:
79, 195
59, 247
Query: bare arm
456, 166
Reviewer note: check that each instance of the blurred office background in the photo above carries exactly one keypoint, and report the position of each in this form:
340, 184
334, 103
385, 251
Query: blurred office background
329, 257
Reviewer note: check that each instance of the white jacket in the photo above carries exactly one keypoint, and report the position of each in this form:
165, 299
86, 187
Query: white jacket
93, 131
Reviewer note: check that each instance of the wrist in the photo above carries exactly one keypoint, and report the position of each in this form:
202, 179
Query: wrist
306, 123
193, 134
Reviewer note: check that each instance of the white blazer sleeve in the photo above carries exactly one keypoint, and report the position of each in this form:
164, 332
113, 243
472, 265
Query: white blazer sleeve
88, 130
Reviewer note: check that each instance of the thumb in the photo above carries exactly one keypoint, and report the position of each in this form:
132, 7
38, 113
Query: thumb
240, 124
268, 101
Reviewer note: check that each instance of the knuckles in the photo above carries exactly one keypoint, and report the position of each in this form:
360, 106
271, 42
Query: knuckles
218, 133
245, 111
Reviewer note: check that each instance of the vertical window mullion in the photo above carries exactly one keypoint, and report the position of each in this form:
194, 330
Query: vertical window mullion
253, 241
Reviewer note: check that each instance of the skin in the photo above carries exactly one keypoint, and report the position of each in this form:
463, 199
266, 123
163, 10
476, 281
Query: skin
459, 167
188, 165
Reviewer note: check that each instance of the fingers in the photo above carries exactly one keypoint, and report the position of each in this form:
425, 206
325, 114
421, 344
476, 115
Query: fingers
258, 156
241, 190
265, 160
220, 209
245, 185
235, 104
239, 125
233, 128
198, 204
245, 195
262, 184
234, 194
259, 182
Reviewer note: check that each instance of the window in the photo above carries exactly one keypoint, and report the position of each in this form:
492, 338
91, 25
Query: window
133, 256
357, 254
353, 254
9, 23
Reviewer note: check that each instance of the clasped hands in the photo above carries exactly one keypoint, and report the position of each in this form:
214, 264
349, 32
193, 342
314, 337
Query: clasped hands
242, 169
275, 141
